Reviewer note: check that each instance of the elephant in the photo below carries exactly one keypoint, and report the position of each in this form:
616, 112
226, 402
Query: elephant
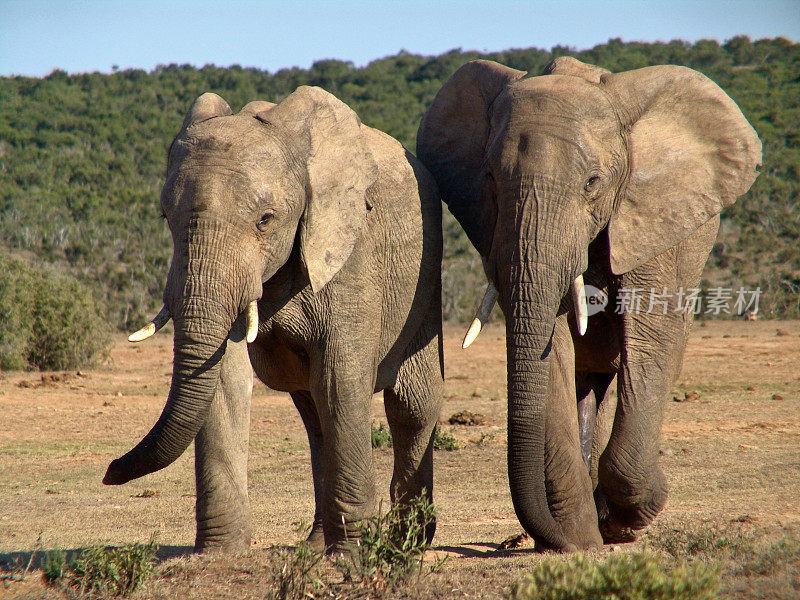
614, 179
307, 250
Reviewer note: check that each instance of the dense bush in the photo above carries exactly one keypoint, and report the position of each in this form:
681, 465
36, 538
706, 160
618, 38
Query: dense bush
47, 321
82, 159
622, 576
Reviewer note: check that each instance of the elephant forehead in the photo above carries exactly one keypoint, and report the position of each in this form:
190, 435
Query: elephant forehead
559, 95
235, 138
208, 169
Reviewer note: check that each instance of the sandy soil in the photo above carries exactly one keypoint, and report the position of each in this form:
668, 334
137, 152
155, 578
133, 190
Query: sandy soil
732, 452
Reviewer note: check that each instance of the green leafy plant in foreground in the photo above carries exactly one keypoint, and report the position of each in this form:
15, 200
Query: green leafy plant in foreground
391, 546
387, 553
54, 565
99, 571
624, 576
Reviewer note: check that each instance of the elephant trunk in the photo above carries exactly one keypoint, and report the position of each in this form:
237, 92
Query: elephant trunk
536, 272
529, 330
198, 356
204, 307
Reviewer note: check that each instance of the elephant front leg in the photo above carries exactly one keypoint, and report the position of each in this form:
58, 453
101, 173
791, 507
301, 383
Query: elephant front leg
569, 486
308, 412
413, 406
343, 403
653, 339
221, 450
632, 488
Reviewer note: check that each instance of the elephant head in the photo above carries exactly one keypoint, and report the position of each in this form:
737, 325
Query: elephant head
245, 194
536, 167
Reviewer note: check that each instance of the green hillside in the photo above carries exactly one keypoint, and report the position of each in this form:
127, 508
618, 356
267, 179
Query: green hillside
82, 159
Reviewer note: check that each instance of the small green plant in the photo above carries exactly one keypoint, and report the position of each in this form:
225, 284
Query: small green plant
444, 440
387, 553
381, 436
295, 574
54, 565
391, 546
100, 571
624, 576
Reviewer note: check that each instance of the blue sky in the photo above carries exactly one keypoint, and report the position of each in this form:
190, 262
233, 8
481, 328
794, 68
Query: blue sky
37, 36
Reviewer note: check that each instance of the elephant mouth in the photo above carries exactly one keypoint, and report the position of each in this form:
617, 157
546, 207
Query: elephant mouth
579, 303
163, 317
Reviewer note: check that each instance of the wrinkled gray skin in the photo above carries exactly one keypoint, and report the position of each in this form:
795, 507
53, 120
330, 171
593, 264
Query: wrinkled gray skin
336, 230
620, 177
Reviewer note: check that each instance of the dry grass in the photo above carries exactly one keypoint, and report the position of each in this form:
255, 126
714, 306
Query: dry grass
731, 457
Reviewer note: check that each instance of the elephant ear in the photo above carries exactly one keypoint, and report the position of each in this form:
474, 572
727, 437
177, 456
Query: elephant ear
326, 135
691, 154
452, 140
566, 65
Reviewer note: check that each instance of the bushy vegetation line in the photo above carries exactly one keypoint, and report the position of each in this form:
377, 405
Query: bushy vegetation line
82, 159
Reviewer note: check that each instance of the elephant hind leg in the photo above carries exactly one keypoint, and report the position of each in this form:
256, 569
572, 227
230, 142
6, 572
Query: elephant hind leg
308, 412
587, 414
595, 416
413, 406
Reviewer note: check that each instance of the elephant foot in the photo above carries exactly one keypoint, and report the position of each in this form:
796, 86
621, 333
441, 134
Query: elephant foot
614, 532
222, 544
316, 538
614, 528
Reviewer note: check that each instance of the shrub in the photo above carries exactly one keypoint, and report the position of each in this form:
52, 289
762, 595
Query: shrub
295, 574
444, 440
102, 571
381, 436
47, 321
391, 546
623, 576
387, 554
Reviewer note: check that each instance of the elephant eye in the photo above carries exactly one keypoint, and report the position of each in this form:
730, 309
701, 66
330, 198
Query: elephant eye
591, 183
264, 221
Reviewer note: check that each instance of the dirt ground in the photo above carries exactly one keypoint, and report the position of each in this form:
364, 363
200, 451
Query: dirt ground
731, 453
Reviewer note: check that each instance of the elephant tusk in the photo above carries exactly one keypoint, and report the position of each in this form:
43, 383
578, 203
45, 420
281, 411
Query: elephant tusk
252, 321
161, 319
579, 304
481, 316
